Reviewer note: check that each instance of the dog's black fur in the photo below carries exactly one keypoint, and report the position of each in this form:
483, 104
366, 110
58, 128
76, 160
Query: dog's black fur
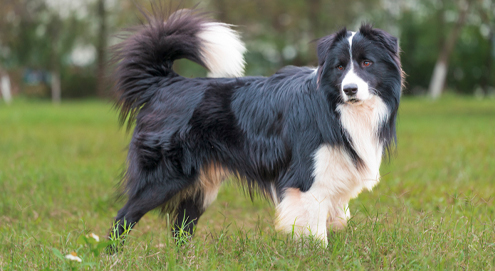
264, 129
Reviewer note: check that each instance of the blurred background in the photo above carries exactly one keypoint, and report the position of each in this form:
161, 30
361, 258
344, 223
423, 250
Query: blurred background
59, 164
57, 49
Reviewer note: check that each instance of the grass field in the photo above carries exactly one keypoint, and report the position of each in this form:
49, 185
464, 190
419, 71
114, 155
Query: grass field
434, 207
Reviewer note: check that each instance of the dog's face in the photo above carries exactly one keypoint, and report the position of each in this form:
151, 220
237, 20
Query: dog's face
355, 66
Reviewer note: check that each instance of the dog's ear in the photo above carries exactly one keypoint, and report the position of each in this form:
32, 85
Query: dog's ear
388, 41
325, 43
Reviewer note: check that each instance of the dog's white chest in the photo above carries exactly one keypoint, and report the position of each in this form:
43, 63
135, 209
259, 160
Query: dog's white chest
335, 173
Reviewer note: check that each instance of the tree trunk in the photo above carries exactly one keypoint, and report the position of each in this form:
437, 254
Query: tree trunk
101, 87
5, 87
55, 86
491, 57
54, 29
441, 67
487, 79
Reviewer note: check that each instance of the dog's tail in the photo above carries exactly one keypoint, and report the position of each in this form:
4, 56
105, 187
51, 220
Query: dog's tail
146, 56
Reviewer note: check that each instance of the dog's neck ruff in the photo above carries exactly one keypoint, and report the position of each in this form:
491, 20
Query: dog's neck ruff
362, 122
336, 174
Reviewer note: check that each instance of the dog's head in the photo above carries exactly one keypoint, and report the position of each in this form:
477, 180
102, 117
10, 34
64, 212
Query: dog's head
355, 66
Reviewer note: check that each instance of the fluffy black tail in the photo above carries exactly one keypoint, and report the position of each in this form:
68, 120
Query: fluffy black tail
146, 56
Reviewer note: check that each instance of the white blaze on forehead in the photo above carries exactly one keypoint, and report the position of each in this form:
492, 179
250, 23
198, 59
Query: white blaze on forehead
352, 78
350, 42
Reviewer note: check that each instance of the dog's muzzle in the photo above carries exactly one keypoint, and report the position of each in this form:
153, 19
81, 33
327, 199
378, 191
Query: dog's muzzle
350, 91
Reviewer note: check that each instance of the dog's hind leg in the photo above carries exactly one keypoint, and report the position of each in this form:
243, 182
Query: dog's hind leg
149, 198
193, 205
188, 212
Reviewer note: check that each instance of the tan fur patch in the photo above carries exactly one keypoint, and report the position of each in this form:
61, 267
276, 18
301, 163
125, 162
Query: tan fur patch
210, 180
207, 185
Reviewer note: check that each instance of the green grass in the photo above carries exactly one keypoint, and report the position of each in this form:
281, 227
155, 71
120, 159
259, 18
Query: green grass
433, 208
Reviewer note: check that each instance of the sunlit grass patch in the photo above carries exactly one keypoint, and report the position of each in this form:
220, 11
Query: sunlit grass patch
434, 207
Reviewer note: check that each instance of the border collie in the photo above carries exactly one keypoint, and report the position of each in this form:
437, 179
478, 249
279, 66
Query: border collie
307, 139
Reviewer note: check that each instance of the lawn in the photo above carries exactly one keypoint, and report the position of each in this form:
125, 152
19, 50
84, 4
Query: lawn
434, 207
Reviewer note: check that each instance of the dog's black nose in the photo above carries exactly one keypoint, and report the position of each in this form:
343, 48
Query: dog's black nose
350, 89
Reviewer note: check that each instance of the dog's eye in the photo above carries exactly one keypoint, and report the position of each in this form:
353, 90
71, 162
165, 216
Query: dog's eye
340, 67
367, 63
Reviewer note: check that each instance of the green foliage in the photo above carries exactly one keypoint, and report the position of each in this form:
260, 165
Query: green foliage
469, 68
421, 39
433, 209
277, 33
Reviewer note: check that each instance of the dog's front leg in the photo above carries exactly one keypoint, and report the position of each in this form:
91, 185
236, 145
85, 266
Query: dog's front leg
338, 216
303, 214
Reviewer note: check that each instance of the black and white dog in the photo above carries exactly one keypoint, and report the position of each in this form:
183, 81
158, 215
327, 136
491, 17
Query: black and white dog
308, 139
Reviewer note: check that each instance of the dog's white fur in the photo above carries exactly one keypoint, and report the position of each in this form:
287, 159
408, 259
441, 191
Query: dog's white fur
222, 50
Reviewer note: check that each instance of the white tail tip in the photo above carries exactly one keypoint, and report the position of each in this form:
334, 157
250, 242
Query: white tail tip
222, 50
